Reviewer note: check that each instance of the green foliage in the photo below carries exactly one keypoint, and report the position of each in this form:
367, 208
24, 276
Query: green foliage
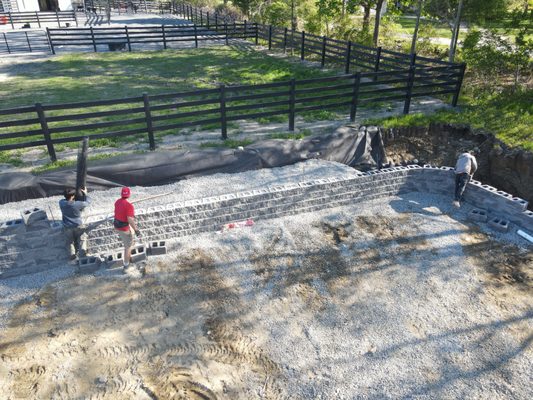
507, 115
296, 135
12, 157
277, 13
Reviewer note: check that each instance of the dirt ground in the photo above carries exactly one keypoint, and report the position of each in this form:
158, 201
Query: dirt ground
331, 305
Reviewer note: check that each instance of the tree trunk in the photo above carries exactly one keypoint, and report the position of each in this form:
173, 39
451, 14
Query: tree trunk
417, 25
455, 33
379, 6
366, 16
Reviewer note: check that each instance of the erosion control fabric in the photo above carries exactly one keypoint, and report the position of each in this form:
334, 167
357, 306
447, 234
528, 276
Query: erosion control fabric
359, 148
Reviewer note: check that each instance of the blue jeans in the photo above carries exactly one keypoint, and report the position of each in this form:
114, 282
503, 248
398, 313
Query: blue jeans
461, 180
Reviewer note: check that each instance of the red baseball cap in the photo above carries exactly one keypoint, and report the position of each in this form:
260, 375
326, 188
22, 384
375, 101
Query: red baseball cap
126, 192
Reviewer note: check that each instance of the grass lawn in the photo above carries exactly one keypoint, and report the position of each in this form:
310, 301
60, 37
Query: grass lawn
94, 76
508, 116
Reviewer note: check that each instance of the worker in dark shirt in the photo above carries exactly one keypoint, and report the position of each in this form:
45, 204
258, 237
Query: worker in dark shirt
71, 210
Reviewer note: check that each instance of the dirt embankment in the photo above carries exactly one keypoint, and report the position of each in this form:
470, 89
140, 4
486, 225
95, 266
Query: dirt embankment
507, 169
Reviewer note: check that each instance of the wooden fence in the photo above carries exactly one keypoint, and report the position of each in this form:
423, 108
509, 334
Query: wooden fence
127, 36
130, 6
350, 55
38, 17
149, 115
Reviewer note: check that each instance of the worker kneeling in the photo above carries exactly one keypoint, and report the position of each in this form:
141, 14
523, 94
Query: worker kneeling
124, 224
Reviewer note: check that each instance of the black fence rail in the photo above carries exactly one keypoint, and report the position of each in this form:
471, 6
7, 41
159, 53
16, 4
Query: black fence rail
130, 7
148, 116
24, 41
349, 55
127, 37
39, 18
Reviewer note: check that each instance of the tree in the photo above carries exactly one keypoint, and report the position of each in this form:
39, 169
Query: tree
452, 12
328, 10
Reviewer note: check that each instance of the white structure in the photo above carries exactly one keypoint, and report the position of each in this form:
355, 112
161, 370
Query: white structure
35, 5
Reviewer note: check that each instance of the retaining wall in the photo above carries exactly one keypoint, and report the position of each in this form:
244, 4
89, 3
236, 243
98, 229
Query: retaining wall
208, 214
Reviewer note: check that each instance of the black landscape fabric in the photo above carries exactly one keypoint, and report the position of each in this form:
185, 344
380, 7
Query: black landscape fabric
359, 148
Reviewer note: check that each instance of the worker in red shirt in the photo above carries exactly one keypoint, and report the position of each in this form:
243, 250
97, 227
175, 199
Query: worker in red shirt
124, 223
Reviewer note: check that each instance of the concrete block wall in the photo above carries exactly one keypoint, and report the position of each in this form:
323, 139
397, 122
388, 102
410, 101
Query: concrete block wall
29, 249
209, 214
21, 248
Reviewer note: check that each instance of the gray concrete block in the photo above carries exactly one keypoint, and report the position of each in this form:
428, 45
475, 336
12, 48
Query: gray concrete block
88, 265
113, 260
478, 215
32, 215
499, 224
12, 224
138, 253
157, 248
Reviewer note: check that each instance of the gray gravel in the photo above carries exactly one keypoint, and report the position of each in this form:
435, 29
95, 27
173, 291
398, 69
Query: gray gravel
405, 312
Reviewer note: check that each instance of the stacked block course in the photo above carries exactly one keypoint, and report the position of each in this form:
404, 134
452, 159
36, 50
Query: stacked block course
31, 244
21, 246
209, 214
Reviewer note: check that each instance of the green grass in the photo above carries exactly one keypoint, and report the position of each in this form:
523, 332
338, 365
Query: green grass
54, 165
507, 115
98, 76
229, 143
295, 135
12, 157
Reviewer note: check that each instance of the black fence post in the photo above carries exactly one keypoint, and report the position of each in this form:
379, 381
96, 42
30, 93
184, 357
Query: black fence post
355, 96
39, 22
7, 44
285, 40
244, 36
323, 60
348, 57
164, 36
410, 82
128, 37
226, 31
50, 41
148, 116
201, 17
92, 37
208, 20
377, 62
256, 33
75, 17
302, 51
57, 17
28, 40
223, 122
292, 101
46, 132
195, 37
11, 20
216, 22
458, 85
270, 37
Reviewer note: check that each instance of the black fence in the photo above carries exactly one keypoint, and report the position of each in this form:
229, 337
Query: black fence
124, 37
24, 41
61, 18
325, 50
131, 6
147, 116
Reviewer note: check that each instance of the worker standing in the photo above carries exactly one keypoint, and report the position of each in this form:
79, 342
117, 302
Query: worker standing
71, 210
465, 168
124, 224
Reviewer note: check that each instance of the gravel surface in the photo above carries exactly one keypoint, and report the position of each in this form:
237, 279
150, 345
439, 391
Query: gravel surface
395, 298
